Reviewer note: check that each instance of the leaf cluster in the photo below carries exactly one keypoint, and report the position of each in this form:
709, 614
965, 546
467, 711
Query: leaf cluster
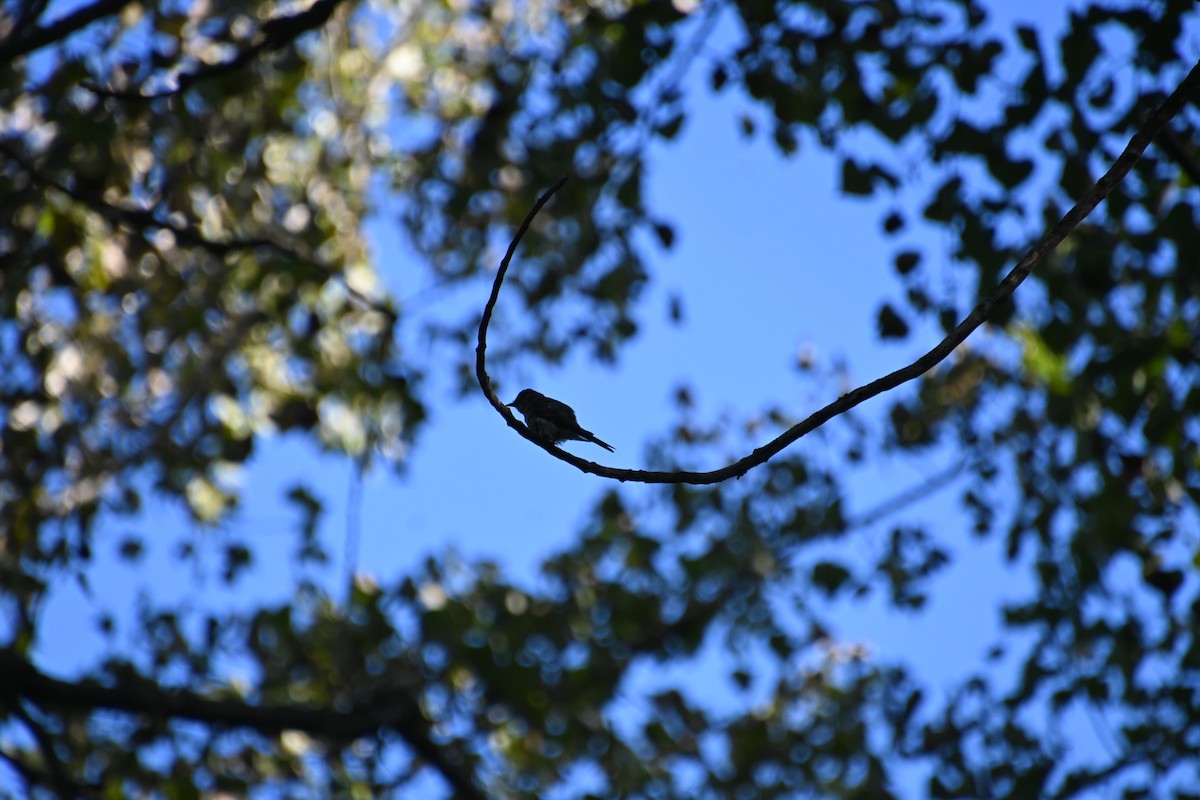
183, 196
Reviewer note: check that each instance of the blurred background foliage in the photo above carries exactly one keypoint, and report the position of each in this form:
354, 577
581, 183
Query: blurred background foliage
183, 194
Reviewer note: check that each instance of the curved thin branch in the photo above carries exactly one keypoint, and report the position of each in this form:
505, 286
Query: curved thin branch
485, 382
981, 313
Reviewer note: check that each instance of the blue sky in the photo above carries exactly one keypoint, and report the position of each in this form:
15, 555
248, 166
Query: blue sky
769, 260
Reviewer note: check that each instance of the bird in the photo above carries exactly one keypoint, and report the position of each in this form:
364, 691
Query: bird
551, 420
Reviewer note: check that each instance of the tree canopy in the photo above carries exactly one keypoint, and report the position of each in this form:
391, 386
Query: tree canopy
186, 191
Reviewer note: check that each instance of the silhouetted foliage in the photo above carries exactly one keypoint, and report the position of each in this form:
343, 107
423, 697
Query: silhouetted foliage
183, 194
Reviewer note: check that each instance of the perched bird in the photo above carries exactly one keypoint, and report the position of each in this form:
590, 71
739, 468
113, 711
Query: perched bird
551, 420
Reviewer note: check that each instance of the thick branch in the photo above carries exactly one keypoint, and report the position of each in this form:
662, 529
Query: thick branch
24, 17
276, 33
136, 695
145, 219
37, 38
982, 312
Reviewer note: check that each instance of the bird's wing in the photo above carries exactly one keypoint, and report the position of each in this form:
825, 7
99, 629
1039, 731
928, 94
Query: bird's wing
558, 410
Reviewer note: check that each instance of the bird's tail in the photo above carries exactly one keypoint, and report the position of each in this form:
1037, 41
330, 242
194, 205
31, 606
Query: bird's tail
591, 437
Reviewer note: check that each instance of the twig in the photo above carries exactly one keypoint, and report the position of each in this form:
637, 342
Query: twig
981, 313
913, 494
353, 525
485, 383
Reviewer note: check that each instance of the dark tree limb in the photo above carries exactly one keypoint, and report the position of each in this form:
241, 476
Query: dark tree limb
25, 16
485, 382
981, 313
134, 694
17, 45
30, 776
146, 219
275, 34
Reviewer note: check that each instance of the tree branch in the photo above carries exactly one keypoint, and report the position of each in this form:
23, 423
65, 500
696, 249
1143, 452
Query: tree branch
26, 15
143, 219
134, 694
981, 313
275, 34
14, 46
28, 774
485, 382
913, 494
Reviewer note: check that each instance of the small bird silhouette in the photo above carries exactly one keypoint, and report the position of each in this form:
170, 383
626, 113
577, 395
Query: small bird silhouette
552, 421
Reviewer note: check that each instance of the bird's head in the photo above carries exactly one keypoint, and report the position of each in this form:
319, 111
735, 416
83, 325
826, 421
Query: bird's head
526, 399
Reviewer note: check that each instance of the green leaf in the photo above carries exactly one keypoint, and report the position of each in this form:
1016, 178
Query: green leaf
665, 234
785, 139
1028, 38
830, 577
890, 324
1013, 172
670, 129
893, 222
907, 261
855, 179
1043, 364
131, 549
719, 77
